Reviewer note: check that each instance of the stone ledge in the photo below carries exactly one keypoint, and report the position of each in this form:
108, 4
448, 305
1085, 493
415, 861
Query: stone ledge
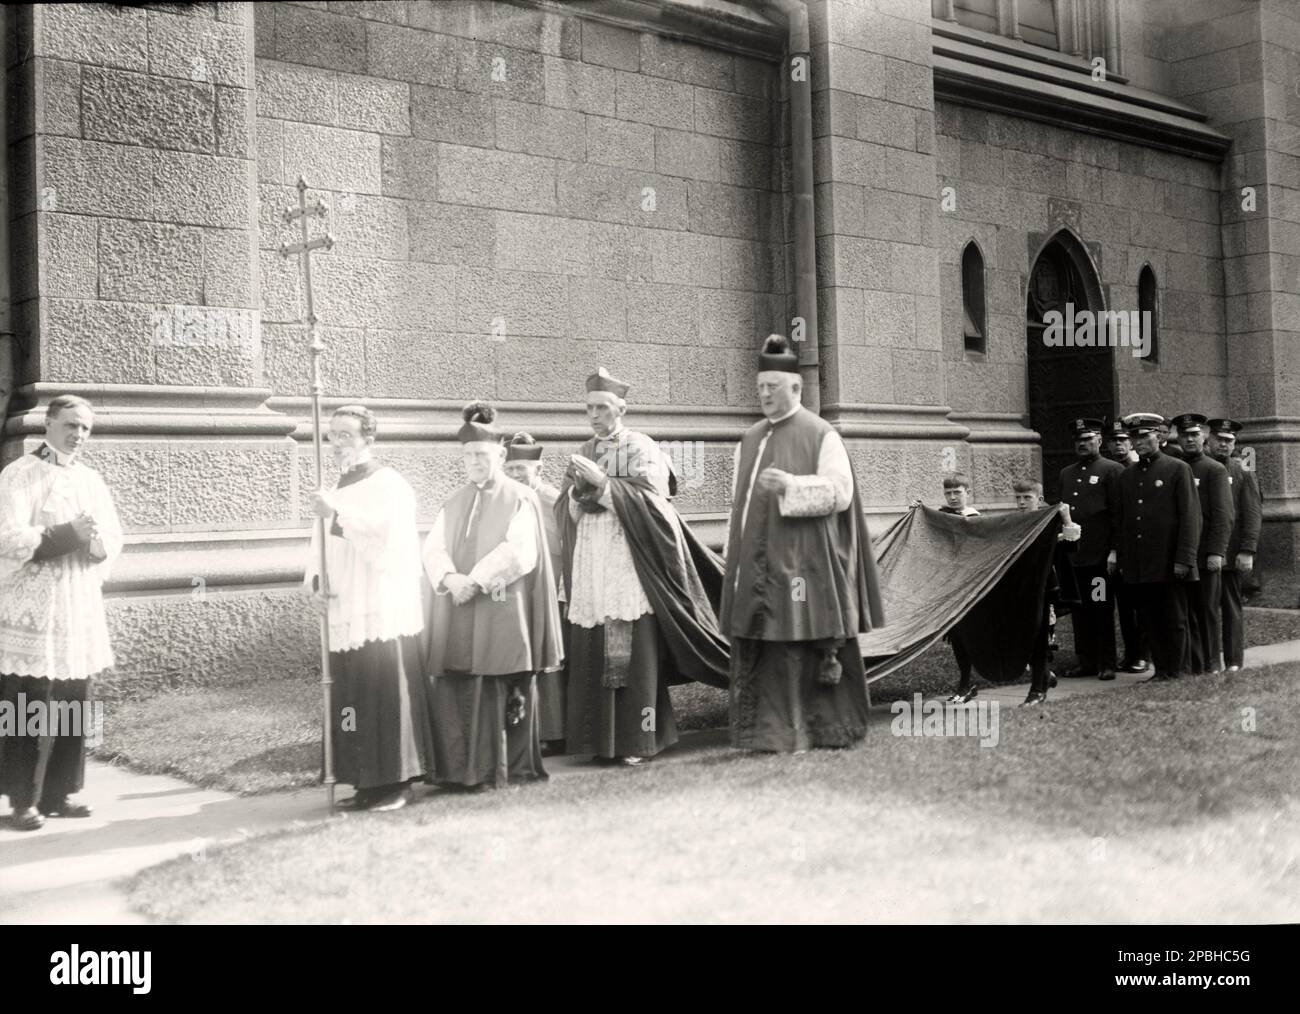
1281, 509
970, 70
996, 428
161, 409
901, 422
1273, 429
408, 419
717, 24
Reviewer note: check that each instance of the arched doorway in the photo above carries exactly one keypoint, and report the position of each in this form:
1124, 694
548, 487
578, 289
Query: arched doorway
1064, 382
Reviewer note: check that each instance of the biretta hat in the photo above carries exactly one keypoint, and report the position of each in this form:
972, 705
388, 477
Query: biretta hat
1188, 421
478, 416
778, 356
602, 381
1224, 427
523, 447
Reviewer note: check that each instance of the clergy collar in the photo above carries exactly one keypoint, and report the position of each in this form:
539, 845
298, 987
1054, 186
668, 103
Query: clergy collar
614, 434
53, 456
789, 415
360, 471
488, 484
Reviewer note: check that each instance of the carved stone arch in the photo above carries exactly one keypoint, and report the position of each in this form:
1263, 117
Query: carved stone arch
1071, 381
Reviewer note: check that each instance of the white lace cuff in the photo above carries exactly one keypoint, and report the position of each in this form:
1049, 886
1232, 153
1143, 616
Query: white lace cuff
808, 496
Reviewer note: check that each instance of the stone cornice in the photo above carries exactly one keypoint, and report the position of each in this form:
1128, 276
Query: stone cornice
1029, 82
717, 24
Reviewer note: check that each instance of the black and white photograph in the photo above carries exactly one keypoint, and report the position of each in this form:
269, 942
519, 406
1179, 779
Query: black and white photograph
652, 462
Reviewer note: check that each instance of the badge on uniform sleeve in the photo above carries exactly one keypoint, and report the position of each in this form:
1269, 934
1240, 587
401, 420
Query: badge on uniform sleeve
1092, 480
1160, 482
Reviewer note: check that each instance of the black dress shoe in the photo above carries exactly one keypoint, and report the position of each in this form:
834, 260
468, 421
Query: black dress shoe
1035, 697
1159, 677
962, 696
64, 808
29, 819
389, 803
1106, 675
1080, 674
1134, 667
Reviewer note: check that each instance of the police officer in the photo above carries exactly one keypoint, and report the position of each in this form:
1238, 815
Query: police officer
1247, 515
1091, 487
1119, 448
1169, 440
1154, 545
1204, 615
1116, 444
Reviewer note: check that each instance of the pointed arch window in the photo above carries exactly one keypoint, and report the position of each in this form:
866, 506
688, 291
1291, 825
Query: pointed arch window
974, 317
1147, 304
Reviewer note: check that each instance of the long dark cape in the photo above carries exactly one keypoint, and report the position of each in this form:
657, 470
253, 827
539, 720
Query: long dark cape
681, 577
988, 574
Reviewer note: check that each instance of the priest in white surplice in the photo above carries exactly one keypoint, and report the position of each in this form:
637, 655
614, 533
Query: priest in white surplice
381, 718
59, 534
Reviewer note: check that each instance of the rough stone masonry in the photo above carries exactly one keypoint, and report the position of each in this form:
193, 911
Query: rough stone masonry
523, 191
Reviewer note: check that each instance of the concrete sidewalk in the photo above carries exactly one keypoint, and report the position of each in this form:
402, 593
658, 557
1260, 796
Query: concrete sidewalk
70, 871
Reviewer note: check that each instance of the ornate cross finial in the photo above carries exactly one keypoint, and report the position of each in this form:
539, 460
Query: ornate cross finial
304, 247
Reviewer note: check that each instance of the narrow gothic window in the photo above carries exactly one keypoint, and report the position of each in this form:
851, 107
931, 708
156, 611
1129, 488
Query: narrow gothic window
1147, 304
974, 325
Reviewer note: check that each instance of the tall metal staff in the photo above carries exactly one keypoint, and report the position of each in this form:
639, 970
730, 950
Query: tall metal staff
303, 249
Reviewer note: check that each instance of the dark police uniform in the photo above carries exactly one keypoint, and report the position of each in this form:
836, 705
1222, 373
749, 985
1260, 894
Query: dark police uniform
1091, 488
1203, 596
1135, 645
1158, 525
1247, 515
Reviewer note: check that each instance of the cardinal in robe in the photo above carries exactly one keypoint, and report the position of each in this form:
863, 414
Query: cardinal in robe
493, 618
381, 718
59, 535
642, 589
801, 580
524, 464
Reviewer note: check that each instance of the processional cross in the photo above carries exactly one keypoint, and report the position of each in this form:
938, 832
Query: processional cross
315, 347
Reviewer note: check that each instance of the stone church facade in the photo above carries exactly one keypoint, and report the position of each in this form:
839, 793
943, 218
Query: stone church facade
523, 191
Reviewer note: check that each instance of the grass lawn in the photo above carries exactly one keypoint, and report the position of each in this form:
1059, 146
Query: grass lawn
1143, 804
265, 737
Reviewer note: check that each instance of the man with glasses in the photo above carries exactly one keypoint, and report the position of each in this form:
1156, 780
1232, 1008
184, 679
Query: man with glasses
382, 725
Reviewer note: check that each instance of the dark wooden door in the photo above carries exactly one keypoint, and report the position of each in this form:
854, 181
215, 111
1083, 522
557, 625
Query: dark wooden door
1064, 383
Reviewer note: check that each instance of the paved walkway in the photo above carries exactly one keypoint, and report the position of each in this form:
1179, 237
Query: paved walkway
71, 870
